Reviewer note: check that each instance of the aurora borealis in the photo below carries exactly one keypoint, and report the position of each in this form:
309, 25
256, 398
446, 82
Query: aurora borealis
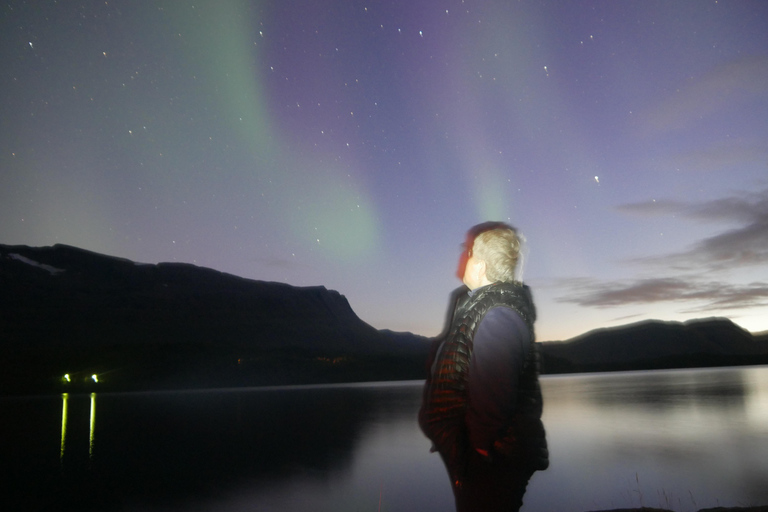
351, 144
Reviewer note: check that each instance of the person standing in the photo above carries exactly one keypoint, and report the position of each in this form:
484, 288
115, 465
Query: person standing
482, 401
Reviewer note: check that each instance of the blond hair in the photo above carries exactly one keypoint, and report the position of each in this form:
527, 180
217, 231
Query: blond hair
499, 246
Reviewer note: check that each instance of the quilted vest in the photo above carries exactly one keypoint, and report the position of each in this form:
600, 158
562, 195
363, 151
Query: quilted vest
445, 394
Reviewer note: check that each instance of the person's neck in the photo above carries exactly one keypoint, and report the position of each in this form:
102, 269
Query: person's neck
482, 285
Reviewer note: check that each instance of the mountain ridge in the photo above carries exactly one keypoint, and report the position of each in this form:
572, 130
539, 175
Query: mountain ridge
68, 307
177, 325
656, 344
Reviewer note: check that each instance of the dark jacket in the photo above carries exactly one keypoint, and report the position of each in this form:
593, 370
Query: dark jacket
443, 415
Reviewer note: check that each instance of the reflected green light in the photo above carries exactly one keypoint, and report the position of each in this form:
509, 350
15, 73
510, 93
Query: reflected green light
93, 424
64, 400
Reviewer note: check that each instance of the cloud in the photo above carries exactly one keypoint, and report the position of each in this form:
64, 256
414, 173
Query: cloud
744, 245
279, 263
719, 157
718, 90
679, 275
710, 295
625, 317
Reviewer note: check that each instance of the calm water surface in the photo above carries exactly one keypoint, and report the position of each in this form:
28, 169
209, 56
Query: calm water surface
682, 439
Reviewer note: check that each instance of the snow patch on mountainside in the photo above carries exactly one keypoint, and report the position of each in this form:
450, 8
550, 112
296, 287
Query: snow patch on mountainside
52, 270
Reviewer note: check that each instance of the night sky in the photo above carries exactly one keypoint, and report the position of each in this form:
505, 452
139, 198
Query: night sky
351, 144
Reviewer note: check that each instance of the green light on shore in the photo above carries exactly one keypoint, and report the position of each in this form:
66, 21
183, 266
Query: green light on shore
66, 378
95, 378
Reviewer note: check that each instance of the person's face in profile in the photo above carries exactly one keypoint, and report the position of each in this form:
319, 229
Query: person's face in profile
466, 254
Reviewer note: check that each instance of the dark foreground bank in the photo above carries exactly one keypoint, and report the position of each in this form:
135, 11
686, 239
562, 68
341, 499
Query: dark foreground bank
716, 509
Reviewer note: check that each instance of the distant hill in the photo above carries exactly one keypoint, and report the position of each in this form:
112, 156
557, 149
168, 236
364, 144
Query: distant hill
65, 310
137, 326
655, 345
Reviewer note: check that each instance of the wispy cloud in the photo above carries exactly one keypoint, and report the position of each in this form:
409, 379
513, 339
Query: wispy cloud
709, 94
719, 157
625, 317
279, 263
744, 245
708, 296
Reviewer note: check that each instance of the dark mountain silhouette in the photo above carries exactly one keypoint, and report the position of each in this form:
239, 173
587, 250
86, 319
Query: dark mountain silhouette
65, 310
655, 345
137, 326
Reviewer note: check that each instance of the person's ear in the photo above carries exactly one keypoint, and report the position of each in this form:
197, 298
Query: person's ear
481, 268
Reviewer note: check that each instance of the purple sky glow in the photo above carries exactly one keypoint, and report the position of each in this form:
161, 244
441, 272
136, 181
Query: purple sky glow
351, 144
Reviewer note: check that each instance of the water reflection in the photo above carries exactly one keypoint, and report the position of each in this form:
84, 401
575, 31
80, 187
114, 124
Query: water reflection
693, 434
756, 403
668, 435
65, 420
92, 425
659, 389
64, 405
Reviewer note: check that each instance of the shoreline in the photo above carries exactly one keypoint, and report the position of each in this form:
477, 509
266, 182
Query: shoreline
763, 508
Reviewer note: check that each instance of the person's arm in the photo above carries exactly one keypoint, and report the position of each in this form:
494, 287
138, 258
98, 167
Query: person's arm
500, 345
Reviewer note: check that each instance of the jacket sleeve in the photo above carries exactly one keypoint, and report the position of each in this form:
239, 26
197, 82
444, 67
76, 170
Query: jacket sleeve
500, 348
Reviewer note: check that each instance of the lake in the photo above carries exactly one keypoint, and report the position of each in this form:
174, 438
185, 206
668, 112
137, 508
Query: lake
676, 439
